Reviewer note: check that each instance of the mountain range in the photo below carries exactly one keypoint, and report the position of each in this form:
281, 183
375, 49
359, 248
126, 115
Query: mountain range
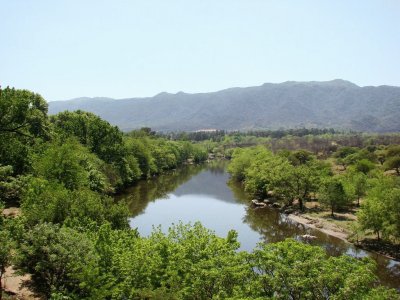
335, 104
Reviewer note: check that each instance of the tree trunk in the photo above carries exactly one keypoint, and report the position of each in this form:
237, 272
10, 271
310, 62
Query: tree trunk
332, 212
358, 201
301, 204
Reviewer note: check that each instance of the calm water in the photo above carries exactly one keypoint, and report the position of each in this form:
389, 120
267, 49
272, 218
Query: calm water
204, 193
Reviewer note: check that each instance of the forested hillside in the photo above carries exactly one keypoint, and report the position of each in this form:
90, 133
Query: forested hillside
335, 104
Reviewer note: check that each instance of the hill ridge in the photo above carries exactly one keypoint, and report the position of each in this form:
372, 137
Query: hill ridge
337, 103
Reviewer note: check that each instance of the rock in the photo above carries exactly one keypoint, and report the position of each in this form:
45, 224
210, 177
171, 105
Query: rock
276, 205
308, 237
288, 211
256, 203
266, 201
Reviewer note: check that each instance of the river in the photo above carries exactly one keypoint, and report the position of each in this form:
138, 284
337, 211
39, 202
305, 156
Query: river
204, 193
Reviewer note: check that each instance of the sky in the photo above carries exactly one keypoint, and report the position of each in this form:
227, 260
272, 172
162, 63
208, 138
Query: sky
120, 49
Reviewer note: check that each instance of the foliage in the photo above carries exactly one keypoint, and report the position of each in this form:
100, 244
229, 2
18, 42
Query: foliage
241, 160
10, 186
380, 212
356, 185
332, 194
100, 138
187, 262
49, 201
393, 163
64, 164
364, 166
288, 175
290, 270
23, 120
53, 255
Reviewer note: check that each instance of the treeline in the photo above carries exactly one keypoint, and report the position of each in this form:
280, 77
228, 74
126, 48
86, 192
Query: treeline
218, 135
321, 142
62, 168
338, 183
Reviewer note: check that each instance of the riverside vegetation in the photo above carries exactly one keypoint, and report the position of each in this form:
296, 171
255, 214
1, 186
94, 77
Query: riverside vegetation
75, 241
352, 179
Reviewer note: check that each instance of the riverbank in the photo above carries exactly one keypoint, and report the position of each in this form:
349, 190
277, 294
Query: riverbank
340, 227
318, 224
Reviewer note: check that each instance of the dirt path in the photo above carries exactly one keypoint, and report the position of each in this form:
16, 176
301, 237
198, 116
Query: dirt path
14, 284
12, 211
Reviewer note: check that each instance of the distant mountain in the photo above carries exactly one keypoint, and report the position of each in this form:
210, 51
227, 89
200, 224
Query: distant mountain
335, 104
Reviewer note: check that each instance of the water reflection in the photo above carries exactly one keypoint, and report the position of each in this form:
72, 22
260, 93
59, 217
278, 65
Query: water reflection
139, 196
204, 193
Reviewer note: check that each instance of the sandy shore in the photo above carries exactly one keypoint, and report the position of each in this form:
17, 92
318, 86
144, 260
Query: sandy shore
332, 229
321, 225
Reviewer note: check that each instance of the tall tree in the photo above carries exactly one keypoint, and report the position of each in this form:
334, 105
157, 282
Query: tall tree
332, 193
23, 119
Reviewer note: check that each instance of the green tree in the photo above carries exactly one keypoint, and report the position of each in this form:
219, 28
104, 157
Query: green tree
265, 173
393, 163
380, 210
356, 185
291, 270
332, 194
51, 202
372, 215
23, 121
63, 162
97, 134
343, 153
10, 186
298, 182
241, 160
364, 166
140, 149
23, 113
300, 157
53, 256
101, 138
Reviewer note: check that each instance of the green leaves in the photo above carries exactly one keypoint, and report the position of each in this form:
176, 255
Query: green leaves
53, 256
23, 113
23, 122
288, 178
187, 262
332, 194
380, 211
291, 270
46, 201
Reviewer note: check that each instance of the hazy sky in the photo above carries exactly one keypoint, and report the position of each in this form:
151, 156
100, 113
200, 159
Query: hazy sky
66, 49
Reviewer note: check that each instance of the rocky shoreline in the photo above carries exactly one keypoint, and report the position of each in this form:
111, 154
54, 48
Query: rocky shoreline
386, 249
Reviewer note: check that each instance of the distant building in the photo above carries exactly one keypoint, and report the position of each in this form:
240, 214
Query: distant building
207, 130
